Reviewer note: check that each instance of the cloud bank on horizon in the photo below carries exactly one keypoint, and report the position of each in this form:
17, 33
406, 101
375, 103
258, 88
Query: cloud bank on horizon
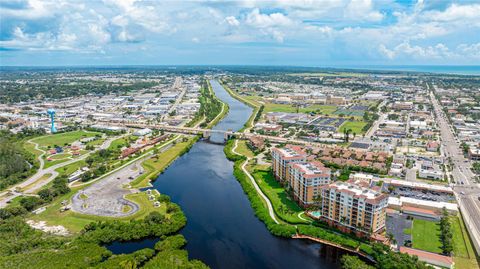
282, 32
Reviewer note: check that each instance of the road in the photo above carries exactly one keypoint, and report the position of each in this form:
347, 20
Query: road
176, 85
377, 123
465, 189
196, 130
34, 184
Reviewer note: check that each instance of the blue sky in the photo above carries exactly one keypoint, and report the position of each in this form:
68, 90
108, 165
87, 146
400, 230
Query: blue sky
283, 32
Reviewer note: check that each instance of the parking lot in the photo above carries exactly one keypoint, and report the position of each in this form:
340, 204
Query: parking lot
106, 197
328, 123
422, 194
396, 224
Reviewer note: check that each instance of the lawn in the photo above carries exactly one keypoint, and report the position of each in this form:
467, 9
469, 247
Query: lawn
464, 254
284, 206
75, 222
31, 148
118, 143
155, 165
243, 149
71, 168
42, 179
60, 156
62, 138
321, 109
426, 235
356, 126
254, 99
96, 142
53, 162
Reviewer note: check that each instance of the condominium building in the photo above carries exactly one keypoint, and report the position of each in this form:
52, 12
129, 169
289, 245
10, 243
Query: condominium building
282, 157
305, 179
353, 207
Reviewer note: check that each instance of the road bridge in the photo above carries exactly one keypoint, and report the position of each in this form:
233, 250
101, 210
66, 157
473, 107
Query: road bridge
207, 132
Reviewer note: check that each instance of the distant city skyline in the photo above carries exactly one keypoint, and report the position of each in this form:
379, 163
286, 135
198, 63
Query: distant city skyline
285, 32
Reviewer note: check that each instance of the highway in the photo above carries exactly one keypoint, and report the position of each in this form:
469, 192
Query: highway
466, 189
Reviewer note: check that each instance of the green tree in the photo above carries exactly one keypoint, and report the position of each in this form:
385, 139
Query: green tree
353, 262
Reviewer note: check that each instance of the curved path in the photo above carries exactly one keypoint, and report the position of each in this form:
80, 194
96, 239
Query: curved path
257, 188
33, 183
106, 196
40, 157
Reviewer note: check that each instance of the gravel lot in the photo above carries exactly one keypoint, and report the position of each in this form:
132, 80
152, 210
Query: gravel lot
105, 197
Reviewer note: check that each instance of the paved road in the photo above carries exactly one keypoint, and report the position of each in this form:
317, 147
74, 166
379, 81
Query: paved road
34, 183
176, 85
106, 197
377, 123
465, 189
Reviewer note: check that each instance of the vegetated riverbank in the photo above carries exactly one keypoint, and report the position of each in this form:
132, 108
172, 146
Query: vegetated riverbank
257, 109
87, 250
167, 220
213, 105
318, 231
284, 229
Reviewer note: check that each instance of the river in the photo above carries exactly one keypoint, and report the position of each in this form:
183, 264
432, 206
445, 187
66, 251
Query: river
222, 230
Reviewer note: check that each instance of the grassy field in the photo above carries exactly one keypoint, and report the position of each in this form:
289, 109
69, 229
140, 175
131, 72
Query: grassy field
356, 126
75, 222
464, 253
31, 148
155, 165
243, 149
120, 142
60, 156
53, 162
62, 138
320, 109
284, 206
254, 99
69, 169
426, 235
42, 179
96, 142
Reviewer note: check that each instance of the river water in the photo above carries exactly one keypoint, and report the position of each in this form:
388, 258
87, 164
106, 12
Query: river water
222, 230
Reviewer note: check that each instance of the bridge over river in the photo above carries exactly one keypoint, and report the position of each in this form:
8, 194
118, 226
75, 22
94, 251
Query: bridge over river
206, 133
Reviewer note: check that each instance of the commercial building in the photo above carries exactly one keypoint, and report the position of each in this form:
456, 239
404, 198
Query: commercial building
353, 207
408, 204
474, 153
282, 157
306, 179
403, 105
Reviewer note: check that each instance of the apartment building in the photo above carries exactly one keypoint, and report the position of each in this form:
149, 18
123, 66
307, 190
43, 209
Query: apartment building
305, 179
282, 157
352, 206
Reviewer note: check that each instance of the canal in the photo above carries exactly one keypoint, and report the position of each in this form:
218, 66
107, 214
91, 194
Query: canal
222, 230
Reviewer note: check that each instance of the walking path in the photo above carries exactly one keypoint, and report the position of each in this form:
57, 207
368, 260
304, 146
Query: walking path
33, 183
143, 156
257, 188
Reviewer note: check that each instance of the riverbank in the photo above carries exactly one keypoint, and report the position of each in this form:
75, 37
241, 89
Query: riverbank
153, 162
223, 112
285, 228
257, 109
